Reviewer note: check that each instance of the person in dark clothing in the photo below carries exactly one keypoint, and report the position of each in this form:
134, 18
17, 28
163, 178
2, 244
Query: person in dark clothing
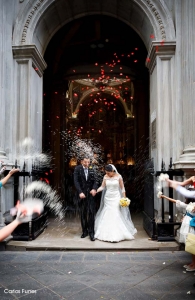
86, 186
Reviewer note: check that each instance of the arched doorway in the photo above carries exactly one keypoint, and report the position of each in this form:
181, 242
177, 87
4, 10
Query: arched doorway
96, 88
37, 23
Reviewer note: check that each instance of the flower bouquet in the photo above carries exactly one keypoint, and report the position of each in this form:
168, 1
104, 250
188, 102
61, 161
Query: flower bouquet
124, 202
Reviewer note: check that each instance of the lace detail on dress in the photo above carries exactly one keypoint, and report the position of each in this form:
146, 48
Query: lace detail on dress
112, 178
118, 177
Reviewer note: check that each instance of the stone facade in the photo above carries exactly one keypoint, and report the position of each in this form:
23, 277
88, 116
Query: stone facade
27, 26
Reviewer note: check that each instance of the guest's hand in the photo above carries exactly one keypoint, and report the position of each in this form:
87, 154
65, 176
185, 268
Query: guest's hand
2, 170
168, 181
172, 183
82, 195
93, 192
11, 172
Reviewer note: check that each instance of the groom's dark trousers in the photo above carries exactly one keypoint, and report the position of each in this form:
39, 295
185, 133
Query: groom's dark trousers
87, 205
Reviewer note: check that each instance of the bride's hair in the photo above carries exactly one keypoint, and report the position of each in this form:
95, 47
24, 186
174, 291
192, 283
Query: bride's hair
109, 168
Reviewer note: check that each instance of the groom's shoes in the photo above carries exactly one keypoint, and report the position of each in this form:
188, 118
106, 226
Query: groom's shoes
84, 234
92, 237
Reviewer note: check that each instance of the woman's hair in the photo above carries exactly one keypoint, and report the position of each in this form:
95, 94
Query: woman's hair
109, 168
188, 200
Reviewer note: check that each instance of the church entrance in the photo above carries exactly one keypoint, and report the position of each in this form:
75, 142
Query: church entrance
79, 73
96, 94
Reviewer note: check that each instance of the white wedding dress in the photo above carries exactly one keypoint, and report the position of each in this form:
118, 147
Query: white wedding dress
113, 222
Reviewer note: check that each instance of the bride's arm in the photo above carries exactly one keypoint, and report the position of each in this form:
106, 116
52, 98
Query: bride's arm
102, 186
122, 186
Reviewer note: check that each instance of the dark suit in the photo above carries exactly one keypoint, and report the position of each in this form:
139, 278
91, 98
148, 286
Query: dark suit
87, 205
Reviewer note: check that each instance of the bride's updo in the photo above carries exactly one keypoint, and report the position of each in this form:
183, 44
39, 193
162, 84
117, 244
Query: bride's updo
109, 168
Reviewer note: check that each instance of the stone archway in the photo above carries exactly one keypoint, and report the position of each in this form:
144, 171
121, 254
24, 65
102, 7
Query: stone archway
151, 19
36, 24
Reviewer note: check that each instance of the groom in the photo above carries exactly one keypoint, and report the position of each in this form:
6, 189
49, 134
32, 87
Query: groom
86, 186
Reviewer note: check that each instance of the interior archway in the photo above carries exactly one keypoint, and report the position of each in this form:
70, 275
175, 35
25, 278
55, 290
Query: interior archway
96, 66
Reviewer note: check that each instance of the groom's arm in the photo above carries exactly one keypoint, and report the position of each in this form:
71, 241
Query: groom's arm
95, 185
76, 180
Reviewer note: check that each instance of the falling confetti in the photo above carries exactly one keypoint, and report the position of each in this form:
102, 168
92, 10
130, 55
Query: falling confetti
49, 196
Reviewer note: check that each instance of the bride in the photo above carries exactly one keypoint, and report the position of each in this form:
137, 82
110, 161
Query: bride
113, 222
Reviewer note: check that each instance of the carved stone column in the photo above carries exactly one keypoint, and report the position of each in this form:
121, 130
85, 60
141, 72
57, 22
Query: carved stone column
160, 62
185, 11
29, 67
25, 109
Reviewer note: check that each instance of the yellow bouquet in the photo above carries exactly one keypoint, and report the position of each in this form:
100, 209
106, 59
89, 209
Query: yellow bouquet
124, 202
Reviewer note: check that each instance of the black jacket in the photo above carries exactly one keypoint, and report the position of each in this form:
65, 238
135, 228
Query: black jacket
82, 185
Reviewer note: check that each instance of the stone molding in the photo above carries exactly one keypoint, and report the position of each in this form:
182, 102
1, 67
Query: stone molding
157, 17
25, 52
186, 160
3, 155
33, 12
165, 50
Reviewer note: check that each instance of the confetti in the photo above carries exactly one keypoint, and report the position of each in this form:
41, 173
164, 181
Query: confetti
162, 43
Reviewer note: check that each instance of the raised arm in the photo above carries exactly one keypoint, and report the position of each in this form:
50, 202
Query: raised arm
76, 180
178, 203
22, 217
122, 186
7, 230
6, 178
169, 199
185, 192
183, 183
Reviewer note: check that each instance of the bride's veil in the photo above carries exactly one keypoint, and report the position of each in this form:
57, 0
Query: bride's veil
124, 210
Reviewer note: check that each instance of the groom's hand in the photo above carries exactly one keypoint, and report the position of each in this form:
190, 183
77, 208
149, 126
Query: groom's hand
93, 192
82, 195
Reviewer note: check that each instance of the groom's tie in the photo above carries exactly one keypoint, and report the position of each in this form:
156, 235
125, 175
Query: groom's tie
86, 173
